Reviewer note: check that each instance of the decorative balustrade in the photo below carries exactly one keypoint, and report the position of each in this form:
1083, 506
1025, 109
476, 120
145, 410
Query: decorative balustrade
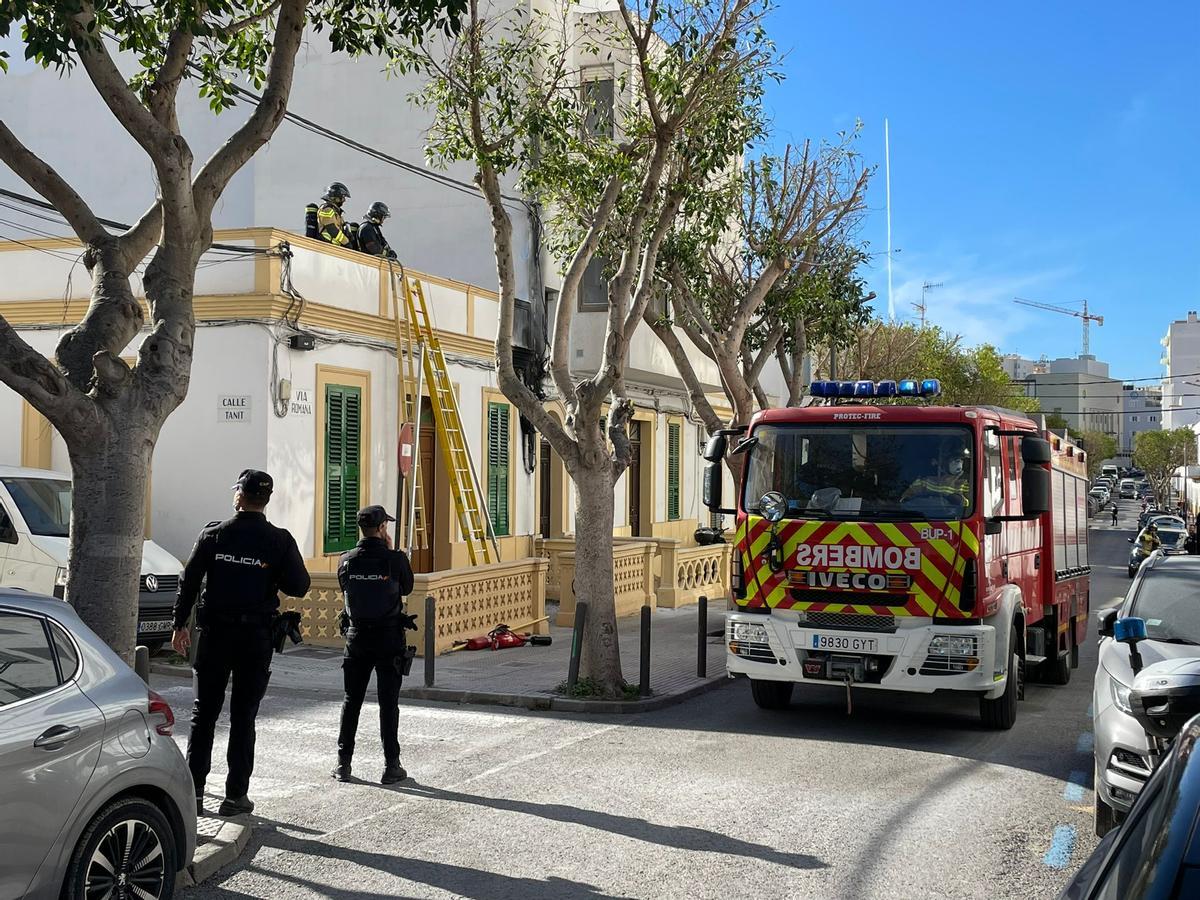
633, 579
690, 572
469, 602
551, 549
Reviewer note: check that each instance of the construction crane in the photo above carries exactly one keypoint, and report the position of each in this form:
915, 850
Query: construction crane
1087, 317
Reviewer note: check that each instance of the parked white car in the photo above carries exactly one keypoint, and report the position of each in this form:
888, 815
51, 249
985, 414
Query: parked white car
35, 516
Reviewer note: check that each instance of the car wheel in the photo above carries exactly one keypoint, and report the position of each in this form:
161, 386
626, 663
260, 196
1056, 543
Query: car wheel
1001, 714
128, 850
771, 694
1106, 818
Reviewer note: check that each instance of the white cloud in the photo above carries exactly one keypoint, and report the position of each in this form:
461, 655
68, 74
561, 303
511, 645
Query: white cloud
975, 300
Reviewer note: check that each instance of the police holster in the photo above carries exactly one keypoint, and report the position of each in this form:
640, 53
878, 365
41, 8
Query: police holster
283, 626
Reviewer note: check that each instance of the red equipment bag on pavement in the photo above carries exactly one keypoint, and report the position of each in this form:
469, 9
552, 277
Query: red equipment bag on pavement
502, 637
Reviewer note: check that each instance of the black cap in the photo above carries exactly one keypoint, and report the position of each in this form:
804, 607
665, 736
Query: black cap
255, 483
373, 517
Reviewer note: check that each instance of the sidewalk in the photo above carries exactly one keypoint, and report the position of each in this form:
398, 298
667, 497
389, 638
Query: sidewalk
527, 676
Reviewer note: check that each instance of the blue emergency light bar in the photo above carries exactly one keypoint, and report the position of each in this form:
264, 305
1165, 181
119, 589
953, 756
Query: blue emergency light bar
909, 387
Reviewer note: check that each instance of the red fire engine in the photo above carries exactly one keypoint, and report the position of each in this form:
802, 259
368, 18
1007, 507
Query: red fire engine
904, 547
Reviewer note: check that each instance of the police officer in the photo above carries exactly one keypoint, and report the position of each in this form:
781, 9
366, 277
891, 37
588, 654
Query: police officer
370, 234
331, 225
247, 561
374, 579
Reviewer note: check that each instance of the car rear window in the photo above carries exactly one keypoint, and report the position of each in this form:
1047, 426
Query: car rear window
1168, 600
68, 659
26, 658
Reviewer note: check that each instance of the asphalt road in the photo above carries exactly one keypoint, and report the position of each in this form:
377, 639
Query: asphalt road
907, 798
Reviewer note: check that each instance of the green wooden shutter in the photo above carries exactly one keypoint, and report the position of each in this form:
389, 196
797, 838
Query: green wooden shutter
343, 451
497, 467
672, 472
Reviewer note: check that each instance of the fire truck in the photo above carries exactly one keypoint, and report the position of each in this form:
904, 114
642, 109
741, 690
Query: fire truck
886, 543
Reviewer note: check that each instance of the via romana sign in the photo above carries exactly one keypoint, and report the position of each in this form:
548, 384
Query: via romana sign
234, 408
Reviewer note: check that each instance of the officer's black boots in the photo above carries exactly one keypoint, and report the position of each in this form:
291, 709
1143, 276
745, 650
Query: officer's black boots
200, 806
231, 807
342, 771
393, 773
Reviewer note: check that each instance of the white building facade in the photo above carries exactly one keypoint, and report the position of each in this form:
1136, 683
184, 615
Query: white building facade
1141, 410
1181, 386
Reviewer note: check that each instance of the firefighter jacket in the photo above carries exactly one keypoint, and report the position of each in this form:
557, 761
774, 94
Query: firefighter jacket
371, 240
374, 580
332, 226
1149, 542
952, 488
244, 564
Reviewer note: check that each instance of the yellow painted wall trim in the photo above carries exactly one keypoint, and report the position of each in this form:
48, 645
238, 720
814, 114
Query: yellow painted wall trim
36, 438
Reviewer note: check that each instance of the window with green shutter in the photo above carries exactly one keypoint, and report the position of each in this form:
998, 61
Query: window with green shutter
673, 435
343, 453
497, 467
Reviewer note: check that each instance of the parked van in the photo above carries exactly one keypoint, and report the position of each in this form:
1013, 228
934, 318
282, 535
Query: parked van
1128, 489
35, 515
1111, 471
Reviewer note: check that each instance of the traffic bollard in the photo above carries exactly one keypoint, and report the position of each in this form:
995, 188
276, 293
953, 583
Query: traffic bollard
430, 628
702, 638
581, 609
644, 670
141, 662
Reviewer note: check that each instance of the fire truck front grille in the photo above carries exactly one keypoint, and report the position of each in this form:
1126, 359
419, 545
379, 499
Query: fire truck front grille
801, 596
848, 621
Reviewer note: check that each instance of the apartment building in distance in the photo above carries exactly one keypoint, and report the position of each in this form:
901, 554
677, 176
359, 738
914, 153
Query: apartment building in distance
1080, 390
1181, 382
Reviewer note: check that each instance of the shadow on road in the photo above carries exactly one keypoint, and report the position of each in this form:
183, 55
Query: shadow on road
678, 837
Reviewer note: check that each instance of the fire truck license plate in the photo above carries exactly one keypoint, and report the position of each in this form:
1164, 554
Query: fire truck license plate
841, 642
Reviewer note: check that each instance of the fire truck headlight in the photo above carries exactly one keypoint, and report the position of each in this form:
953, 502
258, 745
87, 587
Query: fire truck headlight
744, 632
953, 645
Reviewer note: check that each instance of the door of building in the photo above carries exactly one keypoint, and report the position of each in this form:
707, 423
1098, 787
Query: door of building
544, 501
422, 556
635, 479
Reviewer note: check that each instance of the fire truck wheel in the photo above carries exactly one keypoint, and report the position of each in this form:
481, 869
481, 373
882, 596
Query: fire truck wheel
771, 694
1000, 714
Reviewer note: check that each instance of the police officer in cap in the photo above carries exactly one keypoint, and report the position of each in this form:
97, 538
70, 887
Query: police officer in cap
374, 579
244, 563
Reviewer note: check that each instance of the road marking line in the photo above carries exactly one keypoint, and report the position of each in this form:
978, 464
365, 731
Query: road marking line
1073, 790
1061, 845
1086, 743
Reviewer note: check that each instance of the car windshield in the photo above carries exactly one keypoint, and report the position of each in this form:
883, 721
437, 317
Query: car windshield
864, 471
45, 504
1169, 602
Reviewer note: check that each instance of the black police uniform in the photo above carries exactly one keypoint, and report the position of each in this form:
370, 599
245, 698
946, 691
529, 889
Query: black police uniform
247, 562
374, 580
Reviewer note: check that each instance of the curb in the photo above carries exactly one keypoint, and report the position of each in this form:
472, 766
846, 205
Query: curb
216, 854
555, 703
162, 668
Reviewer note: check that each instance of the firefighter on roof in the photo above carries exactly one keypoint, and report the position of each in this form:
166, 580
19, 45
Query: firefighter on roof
370, 234
331, 225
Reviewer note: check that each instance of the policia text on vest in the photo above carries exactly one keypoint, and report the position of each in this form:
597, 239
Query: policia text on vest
244, 564
374, 579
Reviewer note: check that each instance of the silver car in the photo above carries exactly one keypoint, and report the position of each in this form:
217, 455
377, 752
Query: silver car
95, 797
1165, 594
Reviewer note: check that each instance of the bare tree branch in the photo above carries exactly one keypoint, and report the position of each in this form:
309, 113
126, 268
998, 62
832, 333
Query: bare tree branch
165, 88
47, 182
687, 371
139, 240
37, 379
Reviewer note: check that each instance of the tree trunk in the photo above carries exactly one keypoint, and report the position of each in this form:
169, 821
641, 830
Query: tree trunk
601, 655
107, 530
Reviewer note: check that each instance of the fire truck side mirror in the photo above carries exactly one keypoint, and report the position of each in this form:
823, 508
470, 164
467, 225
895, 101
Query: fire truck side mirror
1035, 451
1035, 491
713, 484
714, 452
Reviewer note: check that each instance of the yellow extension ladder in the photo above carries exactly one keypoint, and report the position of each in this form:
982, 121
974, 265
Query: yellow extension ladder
469, 505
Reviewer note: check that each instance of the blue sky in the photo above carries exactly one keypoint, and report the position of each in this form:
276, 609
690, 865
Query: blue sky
1044, 150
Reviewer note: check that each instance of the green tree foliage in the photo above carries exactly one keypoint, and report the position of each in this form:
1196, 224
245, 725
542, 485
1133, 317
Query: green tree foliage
970, 376
1055, 422
1160, 453
1099, 447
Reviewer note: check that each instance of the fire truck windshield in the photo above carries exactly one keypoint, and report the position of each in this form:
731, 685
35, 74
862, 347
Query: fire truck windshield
864, 472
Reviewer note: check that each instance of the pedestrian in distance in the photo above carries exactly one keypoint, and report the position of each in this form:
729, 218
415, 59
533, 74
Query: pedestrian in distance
370, 233
244, 563
1114, 514
375, 580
